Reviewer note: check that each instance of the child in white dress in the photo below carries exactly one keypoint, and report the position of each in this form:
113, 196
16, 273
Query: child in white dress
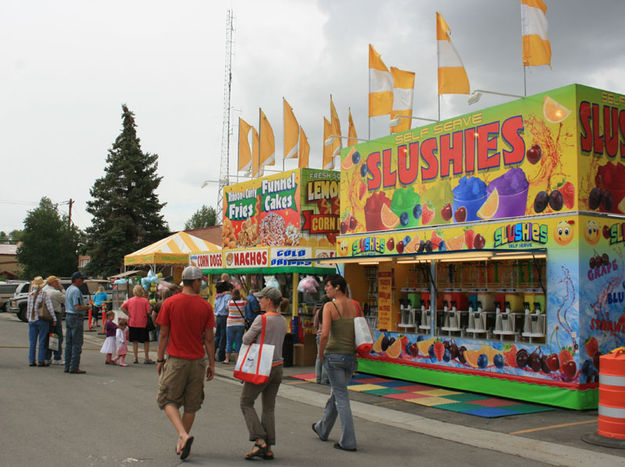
109, 343
120, 338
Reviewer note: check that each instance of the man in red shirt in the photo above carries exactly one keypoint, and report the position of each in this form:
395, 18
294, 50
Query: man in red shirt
186, 332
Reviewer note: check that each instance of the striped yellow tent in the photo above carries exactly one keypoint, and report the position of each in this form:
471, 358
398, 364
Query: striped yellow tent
174, 249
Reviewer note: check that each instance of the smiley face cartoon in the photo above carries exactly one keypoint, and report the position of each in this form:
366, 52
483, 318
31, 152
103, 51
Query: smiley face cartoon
343, 248
591, 234
564, 232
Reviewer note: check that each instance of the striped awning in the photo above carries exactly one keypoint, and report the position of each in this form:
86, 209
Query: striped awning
174, 249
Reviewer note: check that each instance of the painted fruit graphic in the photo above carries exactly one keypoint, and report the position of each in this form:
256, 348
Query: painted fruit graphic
509, 355
553, 111
456, 243
568, 193
592, 346
469, 235
388, 217
472, 356
534, 154
439, 350
427, 214
424, 345
394, 349
490, 206
377, 345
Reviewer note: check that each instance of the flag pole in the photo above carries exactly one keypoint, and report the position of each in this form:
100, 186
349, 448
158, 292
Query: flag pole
369, 105
524, 82
260, 127
284, 136
439, 108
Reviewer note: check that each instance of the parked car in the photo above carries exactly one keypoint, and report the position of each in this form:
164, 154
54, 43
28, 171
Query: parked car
18, 303
7, 290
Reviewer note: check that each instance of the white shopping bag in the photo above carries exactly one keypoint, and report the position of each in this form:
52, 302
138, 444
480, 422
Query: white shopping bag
53, 342
255, 360
364, 339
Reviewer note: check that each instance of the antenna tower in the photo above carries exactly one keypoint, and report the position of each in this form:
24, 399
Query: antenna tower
224, 166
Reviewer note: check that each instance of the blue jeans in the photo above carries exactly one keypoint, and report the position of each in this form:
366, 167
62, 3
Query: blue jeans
73, 341
58, 354
38, 331
234, 338
220, 338
340, 368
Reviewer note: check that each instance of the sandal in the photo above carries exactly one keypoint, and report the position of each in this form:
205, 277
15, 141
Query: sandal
260, 450
268, 456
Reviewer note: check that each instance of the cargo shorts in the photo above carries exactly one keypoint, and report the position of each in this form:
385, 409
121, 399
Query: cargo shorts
181, 383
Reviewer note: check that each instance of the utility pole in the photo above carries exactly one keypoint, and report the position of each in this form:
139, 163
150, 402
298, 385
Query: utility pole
69, 220
224, 166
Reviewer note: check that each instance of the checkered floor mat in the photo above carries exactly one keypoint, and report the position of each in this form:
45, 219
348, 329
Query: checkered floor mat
447, 399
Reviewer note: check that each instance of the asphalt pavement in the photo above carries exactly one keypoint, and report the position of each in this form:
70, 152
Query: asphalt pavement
109, 416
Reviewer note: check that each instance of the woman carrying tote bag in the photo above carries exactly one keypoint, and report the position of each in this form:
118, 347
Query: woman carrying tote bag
263, 431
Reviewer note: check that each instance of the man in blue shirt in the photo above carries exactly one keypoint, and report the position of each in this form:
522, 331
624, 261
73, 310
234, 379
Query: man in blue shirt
221, 317
252, 307
74, 315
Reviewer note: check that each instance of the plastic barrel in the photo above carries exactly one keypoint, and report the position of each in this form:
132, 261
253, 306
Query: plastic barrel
611, 422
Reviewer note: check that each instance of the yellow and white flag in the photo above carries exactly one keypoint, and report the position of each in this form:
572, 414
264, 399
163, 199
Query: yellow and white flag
245, 153
536, 46
257, 169
327, 162
452, 77
267, 143
291, 132
304, 150
380, 86
403, 90
336, 128
352, 137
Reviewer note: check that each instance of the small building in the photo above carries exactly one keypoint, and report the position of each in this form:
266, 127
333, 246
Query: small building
9, 266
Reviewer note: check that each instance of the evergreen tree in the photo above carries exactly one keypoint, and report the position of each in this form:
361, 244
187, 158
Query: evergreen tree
48, 246
203, 217
125, 207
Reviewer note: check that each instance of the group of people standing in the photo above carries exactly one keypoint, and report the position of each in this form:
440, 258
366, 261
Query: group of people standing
187, 325
233, 316
45, 300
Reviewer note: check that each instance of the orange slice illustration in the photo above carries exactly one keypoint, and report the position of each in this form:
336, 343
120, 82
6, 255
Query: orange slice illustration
389, 218
348, 162
553, 111
455, 243
490, 206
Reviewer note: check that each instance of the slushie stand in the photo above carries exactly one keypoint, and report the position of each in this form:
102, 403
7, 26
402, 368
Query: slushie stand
488, 248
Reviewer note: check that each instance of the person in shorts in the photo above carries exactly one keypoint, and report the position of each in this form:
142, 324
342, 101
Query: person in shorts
186, 323
138, 310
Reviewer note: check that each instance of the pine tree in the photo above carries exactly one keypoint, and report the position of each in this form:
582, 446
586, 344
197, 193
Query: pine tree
48, 246
125, 206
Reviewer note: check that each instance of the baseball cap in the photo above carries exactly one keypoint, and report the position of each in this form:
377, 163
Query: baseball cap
77, 275
191, 273
270, 292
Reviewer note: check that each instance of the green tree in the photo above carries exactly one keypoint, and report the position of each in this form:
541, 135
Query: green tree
48, 246
4, 238
203, 217
125, 206
16, 236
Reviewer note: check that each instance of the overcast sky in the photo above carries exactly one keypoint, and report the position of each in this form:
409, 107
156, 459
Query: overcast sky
68, 66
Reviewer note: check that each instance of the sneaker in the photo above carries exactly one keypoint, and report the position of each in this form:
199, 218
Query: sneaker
123, 364
58, 362
78, 372
147, 361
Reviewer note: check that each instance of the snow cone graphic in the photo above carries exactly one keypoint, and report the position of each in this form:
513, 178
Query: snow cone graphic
507, 196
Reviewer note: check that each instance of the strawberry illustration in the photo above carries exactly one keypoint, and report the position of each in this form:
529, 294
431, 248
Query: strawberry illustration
469, 235
568, 194
427, 215
439, 350
509, 355
592, 346
436, 240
